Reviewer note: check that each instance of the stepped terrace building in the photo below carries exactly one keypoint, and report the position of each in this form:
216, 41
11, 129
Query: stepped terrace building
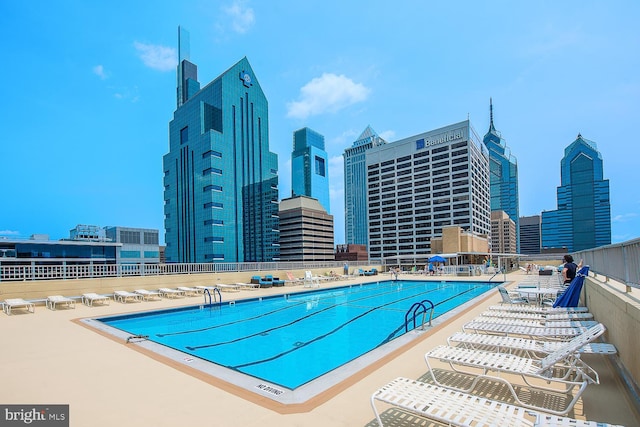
310, 167
355, 187
583, 218
504, 176
421, 184
220, 179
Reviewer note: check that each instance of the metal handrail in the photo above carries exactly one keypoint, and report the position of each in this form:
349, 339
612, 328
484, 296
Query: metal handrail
414, 310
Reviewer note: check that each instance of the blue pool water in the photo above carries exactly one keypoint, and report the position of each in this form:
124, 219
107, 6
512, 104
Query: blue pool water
292, 339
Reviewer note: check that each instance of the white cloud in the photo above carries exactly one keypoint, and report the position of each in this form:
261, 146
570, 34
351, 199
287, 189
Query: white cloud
388, 135
158, 57
327, 93
242, 17
99, 71
9, 233
624, 217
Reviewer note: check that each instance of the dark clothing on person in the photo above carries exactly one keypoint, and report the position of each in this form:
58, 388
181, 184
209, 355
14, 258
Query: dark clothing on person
571, 271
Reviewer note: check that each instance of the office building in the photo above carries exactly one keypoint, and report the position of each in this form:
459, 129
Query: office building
504, 176
139, 245
503, 233
582, 219
421, 184
530, 232
355, 187
220, 179
309, 167
39, 250
306, 230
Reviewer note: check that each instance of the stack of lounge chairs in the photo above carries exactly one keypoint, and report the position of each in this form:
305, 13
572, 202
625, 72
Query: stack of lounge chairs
527, 351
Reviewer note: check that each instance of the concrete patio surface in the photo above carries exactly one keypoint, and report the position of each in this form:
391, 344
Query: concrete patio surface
47, 358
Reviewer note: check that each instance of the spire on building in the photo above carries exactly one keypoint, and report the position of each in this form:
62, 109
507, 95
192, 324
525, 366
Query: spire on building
492, 129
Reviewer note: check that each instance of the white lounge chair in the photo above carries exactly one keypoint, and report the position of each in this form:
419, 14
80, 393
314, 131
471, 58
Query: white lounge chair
537, 316
509, 298
148, 295
248, 285
311, 281
171, 293
563, 367
91, 297
541, 322
189, 291
535, 309
536, 332
454, 408
532, 348
12, 303
125, 296
228, 288
53, 301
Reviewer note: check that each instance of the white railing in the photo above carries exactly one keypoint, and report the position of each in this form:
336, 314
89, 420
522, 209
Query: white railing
620, 261
49, 270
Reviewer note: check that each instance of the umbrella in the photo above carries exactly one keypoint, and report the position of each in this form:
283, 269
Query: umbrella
571, 295
437, 258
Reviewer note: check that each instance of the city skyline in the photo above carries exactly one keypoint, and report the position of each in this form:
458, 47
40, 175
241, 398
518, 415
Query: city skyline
92, 88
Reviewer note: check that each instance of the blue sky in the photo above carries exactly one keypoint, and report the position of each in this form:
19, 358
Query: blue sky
89, 90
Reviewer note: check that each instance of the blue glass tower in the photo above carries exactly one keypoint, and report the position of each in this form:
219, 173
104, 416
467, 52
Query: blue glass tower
220, 179
356, 221
309, 167
583, 218
503, 174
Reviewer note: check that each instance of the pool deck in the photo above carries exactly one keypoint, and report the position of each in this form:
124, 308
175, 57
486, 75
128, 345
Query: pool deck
50, 358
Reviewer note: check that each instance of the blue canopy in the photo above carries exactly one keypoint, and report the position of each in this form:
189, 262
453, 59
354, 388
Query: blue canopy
571, 295
437, 258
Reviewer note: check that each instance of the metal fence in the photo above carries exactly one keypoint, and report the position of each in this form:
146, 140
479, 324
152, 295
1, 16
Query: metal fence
620, 261
37, 270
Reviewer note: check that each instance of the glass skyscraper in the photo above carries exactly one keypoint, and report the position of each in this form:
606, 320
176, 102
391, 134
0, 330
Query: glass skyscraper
220, 179
503, 176
310, 166
583, 218
355, 187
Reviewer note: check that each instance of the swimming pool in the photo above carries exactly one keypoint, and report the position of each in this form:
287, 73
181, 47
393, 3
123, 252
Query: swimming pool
288, 341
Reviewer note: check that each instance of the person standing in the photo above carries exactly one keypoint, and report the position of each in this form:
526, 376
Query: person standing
569, 269
346, 269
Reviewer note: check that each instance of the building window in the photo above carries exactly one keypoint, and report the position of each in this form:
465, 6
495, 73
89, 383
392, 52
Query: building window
151, 254
184, 134
214, 239
320, 166
212, 171
130, 237
150, 238
129, 254
214, 205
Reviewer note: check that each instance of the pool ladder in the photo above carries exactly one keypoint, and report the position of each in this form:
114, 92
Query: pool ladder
208, 294
417, 309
